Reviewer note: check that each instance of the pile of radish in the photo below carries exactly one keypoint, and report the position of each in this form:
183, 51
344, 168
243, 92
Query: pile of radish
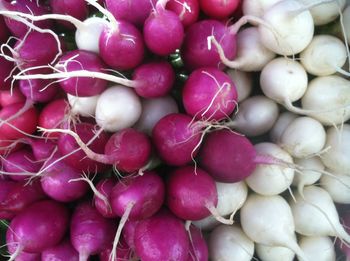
175, 130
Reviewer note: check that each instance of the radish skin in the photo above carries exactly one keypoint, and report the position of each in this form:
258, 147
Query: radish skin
284, 119
273, 253
243, 82
338, 189
84, 106
318, 248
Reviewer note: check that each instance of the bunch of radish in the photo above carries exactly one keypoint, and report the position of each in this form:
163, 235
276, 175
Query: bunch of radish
175, 130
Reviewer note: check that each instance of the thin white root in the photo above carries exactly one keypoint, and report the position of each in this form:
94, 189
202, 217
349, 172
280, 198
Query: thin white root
113, 22
218, 217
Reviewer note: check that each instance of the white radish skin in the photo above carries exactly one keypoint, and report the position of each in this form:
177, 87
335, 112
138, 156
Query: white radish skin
332, 94
227, 243
271, 179
256, 116
257, 7
87, 37
153, 110
318, 248
310, 176
243, 82
251, 55
84, 106
231, 197
283, 120
117, 108
325, 12
338, 188
294, 29
346, 22
324, 55
268, 220
337, 157
283, 80
303, 137
316, 215
268, 253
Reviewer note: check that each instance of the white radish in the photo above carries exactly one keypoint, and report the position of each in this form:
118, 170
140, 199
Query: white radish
243, 82
227, 243
293, 25
303, 137
337, 156
256, 116
268, 220
338, 188
271, 179
153, 110
346, 22
312, 173
315, 214
257, 7
326, 12
332, 94
117, 108
283, 120
231, 197
324, 55
272, 253
318, 248
284, 81
84, 106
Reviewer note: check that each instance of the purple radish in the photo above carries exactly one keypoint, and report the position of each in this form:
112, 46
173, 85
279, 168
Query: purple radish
64, 251
90, 232
6, 186
162, 237
56, 178
124, 252
163, 31
187, 10
36, 91
128, 232
154, 79
198, 245
4, 32
39, 226
102, 204
6, 68
220, 97
42, 148
134, 12
176, 139
81, 86
195, 51
13, 246
228, 156
191, 193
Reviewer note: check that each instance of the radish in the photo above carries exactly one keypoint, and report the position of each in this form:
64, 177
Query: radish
163, 31
198, 246
124, 252
283, 120
187, 10
230, 243
62, 251
176, 139
34, 90
331, 93
273, 253
246, 120
42, 148
90, 233
102, 193
257, 7
318, 248
340, 192
271, 179
84, 106
167, 236
243, 82
39, 226
220, 99
268, 220
346, 22
4, 32
153, 110
303, 137
315, 214
76, 8
6, 68
336, 158
219, 9
11, 96
324, 55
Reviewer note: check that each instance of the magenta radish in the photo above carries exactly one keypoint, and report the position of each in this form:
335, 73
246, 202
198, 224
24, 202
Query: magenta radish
102, 203
220, 99
42, 148
227, 156
187, 10
219, 9
129, 232
192, 194
6, 68
62, 251
90, 233
55, 181
4, 32
6, 186
8, 97
167, 236
163, 31
195, 51
13, 246
76, 8
124, 252
176, 139
39, 226
35, 90
135, 12
198, 245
